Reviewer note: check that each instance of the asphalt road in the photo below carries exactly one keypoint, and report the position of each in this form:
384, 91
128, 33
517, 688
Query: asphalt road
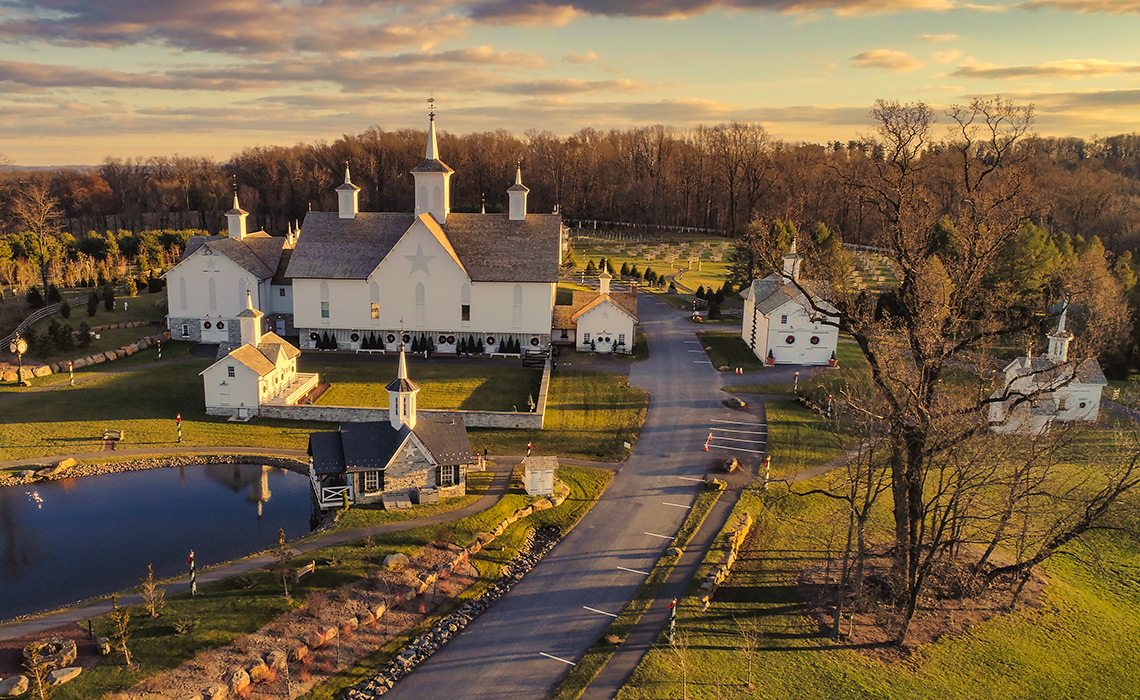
522, 646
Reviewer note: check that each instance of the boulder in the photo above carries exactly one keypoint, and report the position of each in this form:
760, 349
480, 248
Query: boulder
120, 354
104, 645
54, 367
11, 687
315, 640
350, 625
484, 538
63, 675
66, 463
329, 634
396, 562
380, 609
542, 504
98, 359
109, 355
674, 551
41, 371
215, 692
79, 363
299, 652
130, 349
10, 375
258, 672
276, 660
239, 680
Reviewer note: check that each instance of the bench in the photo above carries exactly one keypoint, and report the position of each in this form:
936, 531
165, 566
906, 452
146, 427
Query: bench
112, 434
305, 570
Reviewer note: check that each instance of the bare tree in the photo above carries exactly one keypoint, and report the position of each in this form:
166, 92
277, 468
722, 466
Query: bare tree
679, 653
153, 595
282, 555
120, 631
749, 636
37, 212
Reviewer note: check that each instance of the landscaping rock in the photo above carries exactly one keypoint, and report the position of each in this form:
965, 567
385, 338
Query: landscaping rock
396, 562
350, 625
120, 354
104, 645
10, 375
41, 371
299, 652
79, 363
11, 687
66, 463
215, 692
381, 608
98, 359
674, 551
239, 680
542, 504
109, 355
63, 675
258, 672
613, 639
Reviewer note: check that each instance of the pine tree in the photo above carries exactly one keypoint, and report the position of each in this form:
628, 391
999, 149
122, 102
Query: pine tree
701, 292
37, 672
34, 298
92, 303
65, 310
120, 631
84, 334
625, 269
132, 288
603, 265
53, 296
108, 297
634, 272
591, 269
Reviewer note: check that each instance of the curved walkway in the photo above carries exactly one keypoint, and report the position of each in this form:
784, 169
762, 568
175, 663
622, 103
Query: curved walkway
500, 482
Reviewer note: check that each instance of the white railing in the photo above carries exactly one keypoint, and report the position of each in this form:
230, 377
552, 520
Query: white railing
37, 315
328, 496
300, 386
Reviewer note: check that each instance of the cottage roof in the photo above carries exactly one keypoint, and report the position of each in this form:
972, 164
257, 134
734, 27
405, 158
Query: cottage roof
582, 300
264, 358
1046, 372
273, 339
253, 358
773, 291
371, 446
489, 247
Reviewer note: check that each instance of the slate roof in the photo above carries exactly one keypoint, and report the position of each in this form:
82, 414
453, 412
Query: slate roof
490, 247
773, 291
402, 385
432, 165
264, 358
1046, 371
566, 316
253, 358
358, 447
259, 253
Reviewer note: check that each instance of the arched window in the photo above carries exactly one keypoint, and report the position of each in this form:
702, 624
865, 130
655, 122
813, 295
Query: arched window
517, 306
465, 304
422, 199
420, 304
182, 293
324, 300
437, 199
374, 310
212, 290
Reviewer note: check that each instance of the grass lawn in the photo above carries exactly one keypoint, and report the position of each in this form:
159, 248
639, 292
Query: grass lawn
1081, 642
799, 438
588, 415
229, 609
171, 350
444, 384
728, 349
564, 295
143, 404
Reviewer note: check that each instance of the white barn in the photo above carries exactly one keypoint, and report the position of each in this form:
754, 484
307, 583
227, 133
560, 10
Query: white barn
378, 280
779, 323
1039, 391
207, 289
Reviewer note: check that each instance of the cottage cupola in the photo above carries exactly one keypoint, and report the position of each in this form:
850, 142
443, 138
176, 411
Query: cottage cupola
250, 320
792, 263
604, 283
348, 195
517, 194
433, 177
236, 218
402, 397
1059, 339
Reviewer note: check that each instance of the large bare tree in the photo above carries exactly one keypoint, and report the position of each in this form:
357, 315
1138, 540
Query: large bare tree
37, 212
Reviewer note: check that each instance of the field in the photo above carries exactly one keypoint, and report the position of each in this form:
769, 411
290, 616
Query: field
1081, 641
666, 254
590, 415
444, 384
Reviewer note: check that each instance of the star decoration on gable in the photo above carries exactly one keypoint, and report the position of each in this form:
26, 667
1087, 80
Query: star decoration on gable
419, 261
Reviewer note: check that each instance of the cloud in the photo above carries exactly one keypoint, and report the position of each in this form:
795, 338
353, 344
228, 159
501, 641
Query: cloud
38, 75
569, 86
1082, 100
1111, 7
588, 57
938, 38
1066, 68
555, 12
946, 56
887, 59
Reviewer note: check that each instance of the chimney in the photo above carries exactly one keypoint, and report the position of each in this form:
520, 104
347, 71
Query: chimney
517, 194
236, 217
349, 196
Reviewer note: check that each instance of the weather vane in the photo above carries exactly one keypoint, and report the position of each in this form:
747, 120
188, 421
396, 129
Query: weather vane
431, 107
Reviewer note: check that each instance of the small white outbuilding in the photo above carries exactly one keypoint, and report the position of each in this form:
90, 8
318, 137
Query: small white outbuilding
538, 475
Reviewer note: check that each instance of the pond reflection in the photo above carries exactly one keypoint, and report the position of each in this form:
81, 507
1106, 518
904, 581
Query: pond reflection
64, 541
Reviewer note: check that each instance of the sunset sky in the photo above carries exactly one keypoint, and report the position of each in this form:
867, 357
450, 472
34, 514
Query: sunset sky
81, 80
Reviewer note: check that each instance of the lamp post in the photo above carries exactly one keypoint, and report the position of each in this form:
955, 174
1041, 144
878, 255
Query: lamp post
20, 346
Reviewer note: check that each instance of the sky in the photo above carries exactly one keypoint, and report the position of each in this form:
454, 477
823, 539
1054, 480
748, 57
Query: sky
82, 80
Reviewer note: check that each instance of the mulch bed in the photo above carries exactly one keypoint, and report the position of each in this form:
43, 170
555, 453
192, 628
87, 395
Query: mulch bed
12, 650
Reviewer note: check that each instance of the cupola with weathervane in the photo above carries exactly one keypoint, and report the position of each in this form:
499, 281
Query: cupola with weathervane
237, 217
250, 320
433, 177
517, 195
792, 263
348, 195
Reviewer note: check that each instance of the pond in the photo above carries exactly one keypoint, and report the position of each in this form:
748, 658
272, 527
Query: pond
64, 541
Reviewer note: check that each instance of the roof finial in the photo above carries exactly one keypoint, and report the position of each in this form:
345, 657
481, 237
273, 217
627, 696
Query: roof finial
482, 203
235, 192
518, 172
431, 108
347, 178
249, 298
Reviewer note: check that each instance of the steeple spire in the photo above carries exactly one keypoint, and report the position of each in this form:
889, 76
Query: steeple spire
402, 397
433, 177
516, 193
432, 147
348, 196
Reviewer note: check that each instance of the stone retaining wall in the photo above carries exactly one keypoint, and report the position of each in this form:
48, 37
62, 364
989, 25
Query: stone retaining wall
722, 570
69, 469
8, 372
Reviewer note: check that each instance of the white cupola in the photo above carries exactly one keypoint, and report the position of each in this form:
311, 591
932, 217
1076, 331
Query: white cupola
1059, 339
792, 263
433, 178
517, 194
250, 320
237, 217
348, 195
604, 283
402, 397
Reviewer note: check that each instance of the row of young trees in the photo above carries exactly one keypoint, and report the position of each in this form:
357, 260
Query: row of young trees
976, 278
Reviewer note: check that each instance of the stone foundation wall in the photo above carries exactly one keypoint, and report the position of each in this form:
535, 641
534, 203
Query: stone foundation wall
359, 414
